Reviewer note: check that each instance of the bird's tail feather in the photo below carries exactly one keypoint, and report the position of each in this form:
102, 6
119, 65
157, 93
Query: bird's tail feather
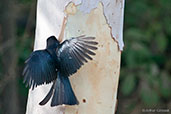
48, 96
62, 93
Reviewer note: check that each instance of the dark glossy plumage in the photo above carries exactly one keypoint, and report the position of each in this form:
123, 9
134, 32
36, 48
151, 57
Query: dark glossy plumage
40, 68
56, 63
74, 52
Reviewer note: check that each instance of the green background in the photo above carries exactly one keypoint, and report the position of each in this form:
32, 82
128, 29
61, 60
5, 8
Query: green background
145, 78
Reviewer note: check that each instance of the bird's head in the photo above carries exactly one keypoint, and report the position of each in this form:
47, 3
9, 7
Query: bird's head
52, 41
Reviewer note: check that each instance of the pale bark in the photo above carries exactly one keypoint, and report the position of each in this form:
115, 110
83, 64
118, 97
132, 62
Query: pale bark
96, 83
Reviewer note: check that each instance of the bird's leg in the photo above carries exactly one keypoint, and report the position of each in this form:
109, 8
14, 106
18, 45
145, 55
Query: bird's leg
61, 35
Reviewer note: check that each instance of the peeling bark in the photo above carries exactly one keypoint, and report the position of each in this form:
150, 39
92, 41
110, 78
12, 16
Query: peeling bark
114, 13
96, 83
112, 9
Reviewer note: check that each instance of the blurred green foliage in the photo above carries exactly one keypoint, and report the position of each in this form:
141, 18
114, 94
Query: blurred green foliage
146, 59
145, 78
24, 34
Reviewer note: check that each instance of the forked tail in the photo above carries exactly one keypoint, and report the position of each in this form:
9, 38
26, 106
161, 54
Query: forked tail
62, 92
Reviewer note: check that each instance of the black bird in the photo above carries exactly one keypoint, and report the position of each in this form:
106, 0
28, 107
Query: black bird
55, 64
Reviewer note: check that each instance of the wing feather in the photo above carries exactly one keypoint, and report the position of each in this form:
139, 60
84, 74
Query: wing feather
73, 53
40, 68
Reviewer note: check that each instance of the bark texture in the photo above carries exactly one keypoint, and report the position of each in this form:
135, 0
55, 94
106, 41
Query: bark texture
96, 83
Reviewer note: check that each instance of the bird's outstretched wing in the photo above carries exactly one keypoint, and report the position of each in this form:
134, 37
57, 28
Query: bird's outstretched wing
39, 69
74, 52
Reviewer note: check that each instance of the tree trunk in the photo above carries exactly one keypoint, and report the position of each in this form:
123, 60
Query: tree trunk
96, 83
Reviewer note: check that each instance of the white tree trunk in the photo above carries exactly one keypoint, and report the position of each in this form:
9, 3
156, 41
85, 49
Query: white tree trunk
96, 83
